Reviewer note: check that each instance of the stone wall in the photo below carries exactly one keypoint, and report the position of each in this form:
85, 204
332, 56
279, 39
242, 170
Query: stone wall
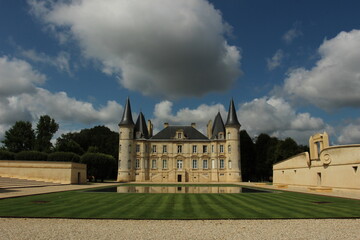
335, 167
56, 172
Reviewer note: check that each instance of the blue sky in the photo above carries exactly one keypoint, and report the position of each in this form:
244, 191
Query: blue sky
292, 67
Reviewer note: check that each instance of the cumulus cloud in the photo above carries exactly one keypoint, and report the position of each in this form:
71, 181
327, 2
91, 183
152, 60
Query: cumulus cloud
22, 99
334, 81
201, 115
292, 33
350, 134
18, 76
168, 48
276, 117
276, 60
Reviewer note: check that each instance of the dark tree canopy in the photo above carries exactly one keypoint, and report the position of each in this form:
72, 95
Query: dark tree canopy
248, 157
20, 137
45, 130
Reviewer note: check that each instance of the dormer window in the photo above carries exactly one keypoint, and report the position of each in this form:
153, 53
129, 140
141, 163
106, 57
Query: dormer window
221, 135
179, 135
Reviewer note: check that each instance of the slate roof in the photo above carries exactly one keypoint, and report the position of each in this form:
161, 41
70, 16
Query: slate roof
232, 119
127, 116
218, 126
169, 133
141, 127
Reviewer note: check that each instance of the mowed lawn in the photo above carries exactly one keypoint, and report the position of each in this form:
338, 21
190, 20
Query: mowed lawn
78, 204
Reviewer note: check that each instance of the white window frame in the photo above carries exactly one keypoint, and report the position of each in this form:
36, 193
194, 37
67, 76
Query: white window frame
164, 148
164, 164
194, 163
179, 164
222, 163
179, 148
153, 148
137, 163
137, 148
205, 164
153, 164
221, 148
205, 148
194, 148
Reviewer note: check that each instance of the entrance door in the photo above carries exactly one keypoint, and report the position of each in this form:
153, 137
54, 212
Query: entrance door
79, 178
179, 178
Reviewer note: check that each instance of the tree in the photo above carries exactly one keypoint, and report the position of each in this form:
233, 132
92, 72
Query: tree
20, 137
99, 165
248, 157
45, 130
66, 143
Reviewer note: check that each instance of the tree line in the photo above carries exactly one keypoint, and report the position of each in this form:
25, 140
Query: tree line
98, 148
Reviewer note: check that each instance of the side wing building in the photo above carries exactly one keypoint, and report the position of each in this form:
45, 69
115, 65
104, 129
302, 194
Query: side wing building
179, 153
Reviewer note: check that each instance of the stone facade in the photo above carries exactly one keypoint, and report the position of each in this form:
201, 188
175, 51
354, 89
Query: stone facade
326, 167
179, 153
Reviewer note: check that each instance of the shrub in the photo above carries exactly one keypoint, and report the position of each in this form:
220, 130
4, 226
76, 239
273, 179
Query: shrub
99, 165
64, 157
31, 156
6, 155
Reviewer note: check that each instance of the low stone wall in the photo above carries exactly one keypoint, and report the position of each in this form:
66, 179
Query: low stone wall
56, 172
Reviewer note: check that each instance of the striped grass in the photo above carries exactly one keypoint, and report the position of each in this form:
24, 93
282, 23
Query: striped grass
275, 205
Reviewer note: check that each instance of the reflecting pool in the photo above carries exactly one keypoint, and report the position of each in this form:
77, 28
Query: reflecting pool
179, 189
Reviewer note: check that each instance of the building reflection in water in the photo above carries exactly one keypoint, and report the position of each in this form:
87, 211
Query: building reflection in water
184, 189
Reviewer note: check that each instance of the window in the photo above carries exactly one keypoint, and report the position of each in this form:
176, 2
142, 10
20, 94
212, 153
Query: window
129, 148
194, 163
120, 135
212, 148
153, 164
228, 135
229, 164
137, 163
194, 148
130, 135
179, 164
137, 148
164, 149
129, 164
119, 163
229, 149
164, 164
146, 148
205, 164
221, 136
120, 148
213, 163
222, 164
221, 148
179, 135
146, 164
179, 148
154, 148
204, 149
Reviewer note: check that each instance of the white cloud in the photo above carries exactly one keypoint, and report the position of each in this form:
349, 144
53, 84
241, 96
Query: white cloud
276, 117
18, 76
334, 81
350, 134
276, 60
159, 47
185, 116
21, 99
292, 33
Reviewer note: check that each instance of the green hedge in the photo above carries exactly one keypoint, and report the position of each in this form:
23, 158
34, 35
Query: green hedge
99, 165
63, 157
31, 156
6, 155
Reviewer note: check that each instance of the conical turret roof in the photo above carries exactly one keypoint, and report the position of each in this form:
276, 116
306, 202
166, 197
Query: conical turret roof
218, 126
232, 119
127, 116
140, 127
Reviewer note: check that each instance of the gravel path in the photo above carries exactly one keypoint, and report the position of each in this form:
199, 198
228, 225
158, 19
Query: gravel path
25, 228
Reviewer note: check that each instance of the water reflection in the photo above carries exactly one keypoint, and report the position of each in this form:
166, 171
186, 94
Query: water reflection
179, 189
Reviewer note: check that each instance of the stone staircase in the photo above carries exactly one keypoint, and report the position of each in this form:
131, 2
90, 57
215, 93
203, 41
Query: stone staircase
6, 182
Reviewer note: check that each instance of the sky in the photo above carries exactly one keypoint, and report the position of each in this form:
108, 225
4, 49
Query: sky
292, 67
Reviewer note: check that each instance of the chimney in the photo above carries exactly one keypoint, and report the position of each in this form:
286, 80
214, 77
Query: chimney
166, 125
150, 128
193, 125
209, 129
